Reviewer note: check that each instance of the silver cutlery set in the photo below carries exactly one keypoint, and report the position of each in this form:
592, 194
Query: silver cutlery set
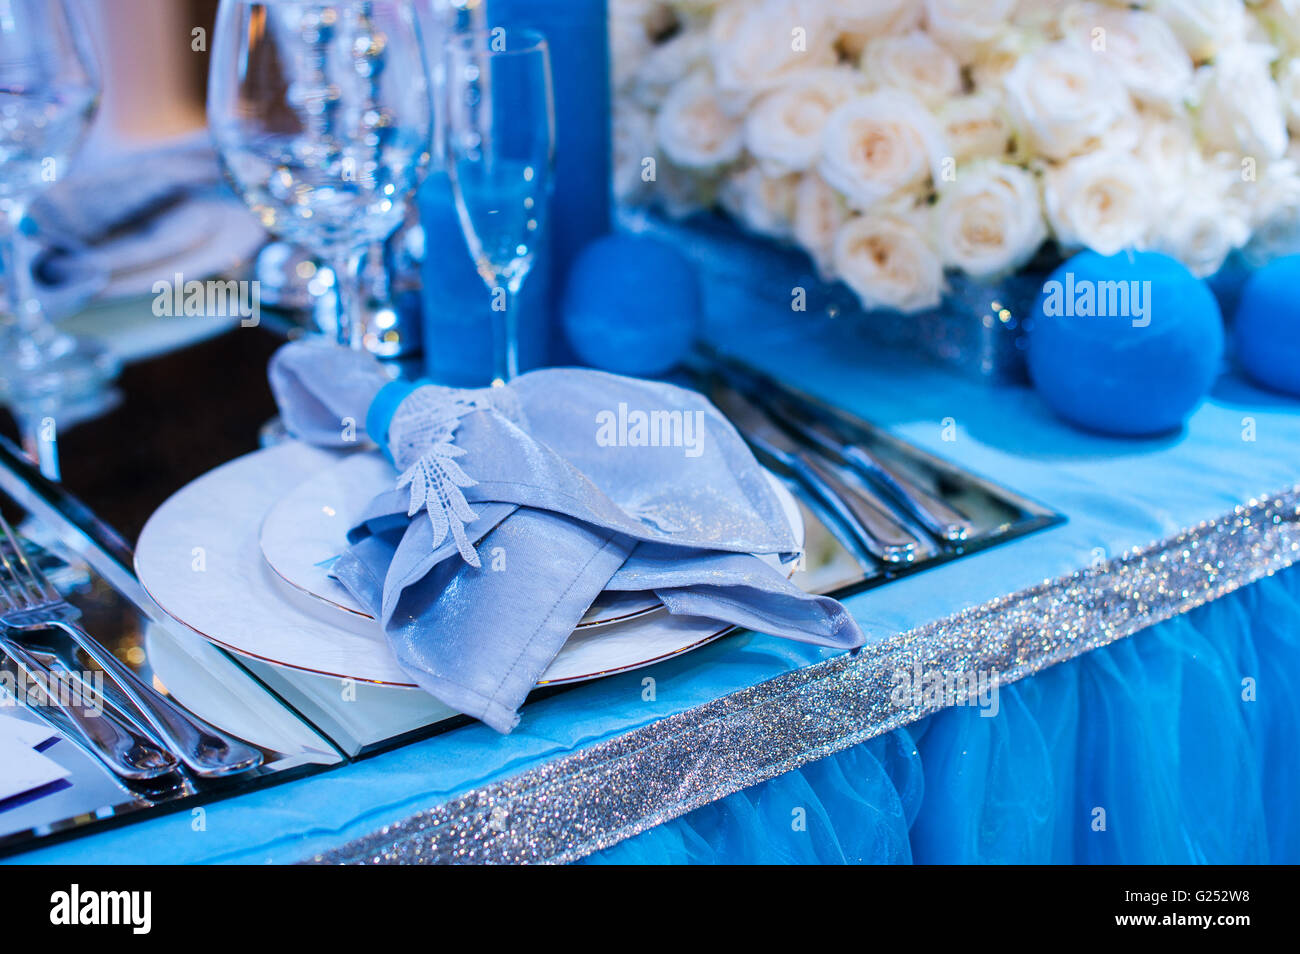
874, 508
134, 730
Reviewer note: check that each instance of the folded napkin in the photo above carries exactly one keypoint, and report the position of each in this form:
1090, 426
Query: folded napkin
517, 506
104, 200
119, 215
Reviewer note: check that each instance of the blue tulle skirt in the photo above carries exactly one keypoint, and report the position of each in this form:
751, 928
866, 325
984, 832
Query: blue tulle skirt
1179, 744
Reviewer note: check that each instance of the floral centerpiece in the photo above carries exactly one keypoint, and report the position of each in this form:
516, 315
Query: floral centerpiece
904, 143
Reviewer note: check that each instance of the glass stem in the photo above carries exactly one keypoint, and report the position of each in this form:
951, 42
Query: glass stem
26, 338
348, 320
11, 264
505, 334
37, 444
20, 338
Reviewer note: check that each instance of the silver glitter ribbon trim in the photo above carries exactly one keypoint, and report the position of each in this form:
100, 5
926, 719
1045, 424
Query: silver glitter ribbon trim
596, 797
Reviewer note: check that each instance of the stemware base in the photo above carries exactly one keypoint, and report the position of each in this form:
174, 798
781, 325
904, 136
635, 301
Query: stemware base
65, 370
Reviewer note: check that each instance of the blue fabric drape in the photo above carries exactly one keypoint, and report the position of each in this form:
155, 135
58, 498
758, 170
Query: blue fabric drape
1179, 744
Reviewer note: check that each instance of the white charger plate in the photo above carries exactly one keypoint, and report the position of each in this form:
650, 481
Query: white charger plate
306, 529
200, 558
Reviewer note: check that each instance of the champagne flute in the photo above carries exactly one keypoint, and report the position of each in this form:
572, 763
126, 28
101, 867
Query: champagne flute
322, 116
501, 158
49, 91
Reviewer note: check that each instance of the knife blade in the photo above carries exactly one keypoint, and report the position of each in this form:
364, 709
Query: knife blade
874, 529
934, 514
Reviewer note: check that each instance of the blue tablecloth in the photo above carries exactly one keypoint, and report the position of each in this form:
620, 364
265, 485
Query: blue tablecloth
1116, 493
1180, 744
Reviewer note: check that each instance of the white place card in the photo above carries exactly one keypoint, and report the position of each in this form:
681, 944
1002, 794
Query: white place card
23, 770
31, 734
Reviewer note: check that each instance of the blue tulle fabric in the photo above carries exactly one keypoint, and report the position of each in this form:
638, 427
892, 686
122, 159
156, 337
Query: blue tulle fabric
1179, 744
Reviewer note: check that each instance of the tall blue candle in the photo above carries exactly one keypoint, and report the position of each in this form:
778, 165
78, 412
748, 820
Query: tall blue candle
577, 33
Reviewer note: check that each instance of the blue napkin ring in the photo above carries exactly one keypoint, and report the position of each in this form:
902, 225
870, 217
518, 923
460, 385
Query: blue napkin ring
382, 409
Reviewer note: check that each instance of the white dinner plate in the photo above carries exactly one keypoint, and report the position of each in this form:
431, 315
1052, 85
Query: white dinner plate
306, 530
200, 558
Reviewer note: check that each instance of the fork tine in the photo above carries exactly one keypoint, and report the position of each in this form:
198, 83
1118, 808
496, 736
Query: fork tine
10, 574
10, 602
33, 580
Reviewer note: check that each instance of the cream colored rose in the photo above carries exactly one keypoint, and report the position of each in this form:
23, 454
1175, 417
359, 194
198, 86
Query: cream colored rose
1288, 86
764, 204
1238, 107
967, 26
1038, 15
819, 211
873, 18
1062, 102
1100, 201
1203, 222
1272, 188
858, 22
1282, 20
888, 263
759, 44
629, 45
633, 145
1167, 145
913, 63
784, 128
975, 126
634, 28
1204, 26
1139, 47
696, 8
665, 64
654, 16
989, 222
692, 129
878, 145
1273, 199
999, 57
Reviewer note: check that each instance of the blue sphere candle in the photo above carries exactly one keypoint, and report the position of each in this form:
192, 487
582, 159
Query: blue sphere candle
1267, 328
632, 305
1125, 344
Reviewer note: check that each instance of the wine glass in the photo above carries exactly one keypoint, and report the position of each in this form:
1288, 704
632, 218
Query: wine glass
501, 157
49, 91
322, 116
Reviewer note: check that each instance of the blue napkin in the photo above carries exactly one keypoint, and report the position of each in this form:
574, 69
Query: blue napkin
517, 506
120, 215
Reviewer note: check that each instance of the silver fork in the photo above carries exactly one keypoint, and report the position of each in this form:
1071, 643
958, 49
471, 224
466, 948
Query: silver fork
32, 604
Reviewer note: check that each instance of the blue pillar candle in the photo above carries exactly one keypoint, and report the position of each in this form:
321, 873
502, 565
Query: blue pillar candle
577, 33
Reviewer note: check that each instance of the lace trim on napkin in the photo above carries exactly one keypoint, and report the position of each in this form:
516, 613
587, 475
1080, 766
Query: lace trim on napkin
421, 438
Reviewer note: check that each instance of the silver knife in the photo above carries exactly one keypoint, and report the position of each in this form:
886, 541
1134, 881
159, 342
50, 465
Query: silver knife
873, 528
933, 513
96, 728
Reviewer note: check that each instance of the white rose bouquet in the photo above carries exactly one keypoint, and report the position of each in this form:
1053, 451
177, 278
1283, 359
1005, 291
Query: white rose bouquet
897, 140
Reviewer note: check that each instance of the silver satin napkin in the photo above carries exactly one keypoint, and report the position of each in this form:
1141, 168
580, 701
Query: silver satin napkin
516, 506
